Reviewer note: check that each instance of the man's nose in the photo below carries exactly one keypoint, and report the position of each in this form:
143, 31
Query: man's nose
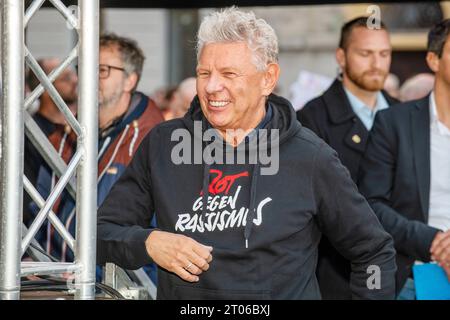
376, 61
215, 84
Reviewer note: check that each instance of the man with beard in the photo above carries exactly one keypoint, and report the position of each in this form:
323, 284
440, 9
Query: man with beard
51, 121
125, 115
405, 171
343, 117
125, 118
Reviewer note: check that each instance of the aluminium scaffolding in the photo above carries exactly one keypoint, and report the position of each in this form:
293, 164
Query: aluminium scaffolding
15, 121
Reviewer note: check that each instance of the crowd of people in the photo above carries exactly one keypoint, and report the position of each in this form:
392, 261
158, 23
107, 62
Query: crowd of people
363, 170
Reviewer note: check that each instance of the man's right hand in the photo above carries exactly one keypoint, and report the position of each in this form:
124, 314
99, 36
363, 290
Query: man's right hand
179, 254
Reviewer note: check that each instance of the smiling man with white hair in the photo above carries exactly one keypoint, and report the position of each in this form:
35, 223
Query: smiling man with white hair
232, 229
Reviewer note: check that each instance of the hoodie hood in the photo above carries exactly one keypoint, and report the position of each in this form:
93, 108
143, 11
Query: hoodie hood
283, 119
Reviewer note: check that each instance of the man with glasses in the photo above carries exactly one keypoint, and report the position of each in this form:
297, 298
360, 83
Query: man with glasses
125, 118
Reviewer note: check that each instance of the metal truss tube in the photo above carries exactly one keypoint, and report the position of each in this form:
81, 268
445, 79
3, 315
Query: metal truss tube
31, 10
65, 12
59, 226
11, 189
32, 251
43, 213
145, 281
47, 268
52, 77
46, 149
40, 74
86, 230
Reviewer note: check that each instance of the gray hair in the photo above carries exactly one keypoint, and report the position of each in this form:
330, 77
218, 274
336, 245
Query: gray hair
132, 56
233, 25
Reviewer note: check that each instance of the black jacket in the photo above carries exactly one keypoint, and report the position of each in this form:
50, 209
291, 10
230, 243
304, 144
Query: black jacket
310, 194
332, 118
395, 178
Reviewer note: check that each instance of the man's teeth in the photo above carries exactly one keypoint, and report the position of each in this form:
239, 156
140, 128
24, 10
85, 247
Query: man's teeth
218, 103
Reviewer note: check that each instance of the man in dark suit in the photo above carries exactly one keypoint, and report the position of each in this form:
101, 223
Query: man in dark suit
343, 116
405, 172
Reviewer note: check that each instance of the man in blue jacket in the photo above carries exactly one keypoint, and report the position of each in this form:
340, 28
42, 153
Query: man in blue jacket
125, 117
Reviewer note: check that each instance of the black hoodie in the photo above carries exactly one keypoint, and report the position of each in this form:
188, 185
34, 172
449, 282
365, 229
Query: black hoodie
264, 229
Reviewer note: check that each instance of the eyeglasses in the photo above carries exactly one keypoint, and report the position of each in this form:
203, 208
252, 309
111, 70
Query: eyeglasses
104, 70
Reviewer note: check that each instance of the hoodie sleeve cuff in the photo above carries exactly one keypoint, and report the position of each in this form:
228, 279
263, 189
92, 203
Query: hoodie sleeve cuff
140, 253
428, 237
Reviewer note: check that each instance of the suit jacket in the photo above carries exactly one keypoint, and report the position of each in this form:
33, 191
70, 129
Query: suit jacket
395, 179
332, 118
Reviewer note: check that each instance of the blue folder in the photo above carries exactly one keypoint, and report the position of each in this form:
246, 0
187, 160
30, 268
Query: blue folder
431, 282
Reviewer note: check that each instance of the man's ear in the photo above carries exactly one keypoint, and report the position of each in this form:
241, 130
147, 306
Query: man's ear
131, 82
271, 76
340, 58
433, 61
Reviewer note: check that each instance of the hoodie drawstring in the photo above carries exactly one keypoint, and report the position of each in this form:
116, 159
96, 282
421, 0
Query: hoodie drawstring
252, 209
281, 117
205, 187
135, 136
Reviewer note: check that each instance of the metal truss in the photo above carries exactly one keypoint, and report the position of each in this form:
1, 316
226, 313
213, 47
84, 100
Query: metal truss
15, 240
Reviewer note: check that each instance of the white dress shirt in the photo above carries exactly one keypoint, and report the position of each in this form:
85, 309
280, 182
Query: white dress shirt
439, 210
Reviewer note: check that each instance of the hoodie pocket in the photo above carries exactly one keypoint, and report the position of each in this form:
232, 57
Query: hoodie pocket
194, 293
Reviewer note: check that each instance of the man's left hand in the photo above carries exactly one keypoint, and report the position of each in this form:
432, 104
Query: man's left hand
440, 249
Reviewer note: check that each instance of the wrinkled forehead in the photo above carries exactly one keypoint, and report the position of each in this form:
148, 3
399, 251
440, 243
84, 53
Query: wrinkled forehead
225, 55
110, 53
